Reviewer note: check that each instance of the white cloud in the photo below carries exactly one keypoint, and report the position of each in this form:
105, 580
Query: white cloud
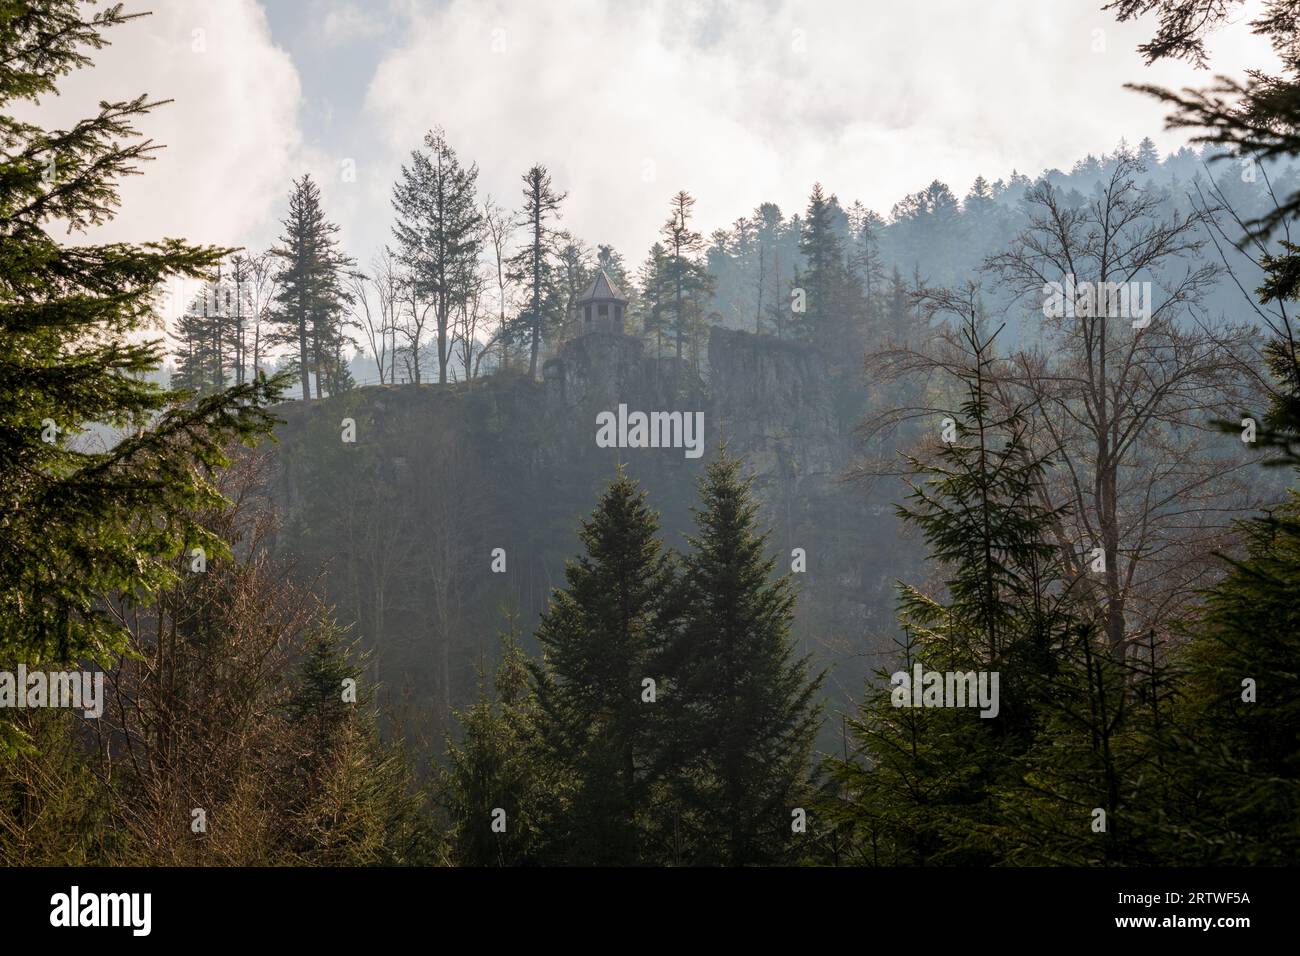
343, 23
626, 103
742, 102
230, 134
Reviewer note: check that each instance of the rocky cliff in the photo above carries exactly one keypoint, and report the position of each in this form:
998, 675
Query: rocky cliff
406, 519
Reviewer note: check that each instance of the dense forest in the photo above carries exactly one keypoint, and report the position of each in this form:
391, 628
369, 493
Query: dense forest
985, 550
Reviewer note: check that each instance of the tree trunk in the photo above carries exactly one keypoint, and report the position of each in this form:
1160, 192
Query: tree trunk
537, 295
302, 356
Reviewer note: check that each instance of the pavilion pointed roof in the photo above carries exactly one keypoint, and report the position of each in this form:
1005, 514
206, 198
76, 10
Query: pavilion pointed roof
602, 289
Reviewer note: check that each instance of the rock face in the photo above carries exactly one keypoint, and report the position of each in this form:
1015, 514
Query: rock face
768, 399
771, 402
606, 368
404, 520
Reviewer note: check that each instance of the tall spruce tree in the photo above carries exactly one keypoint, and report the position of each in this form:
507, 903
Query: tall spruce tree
653, 276
927, 789
80, 524
439, 231
1090, 753
686, 276
496, 787
533, 266
311, 299
824, 274
769, 232
867, 261
601, 639
353, 800
740, 707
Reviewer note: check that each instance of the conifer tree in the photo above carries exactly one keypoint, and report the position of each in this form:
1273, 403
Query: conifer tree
824, 273
866, 258
769, 233
601, 639
1148, 155
439, 231
573, 260
899, 320
740, 706
80, 523
311, 299
928, 790
206, 335
1234, 740
1237, 734
654, 296
319, 704
689, 281
192, 370
353, 800
533, 266
495, 785
1074, 800
1256, 120
241, 282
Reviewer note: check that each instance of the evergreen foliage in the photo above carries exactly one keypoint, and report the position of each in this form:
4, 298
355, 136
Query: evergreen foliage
102, 469
601, 638
740, 709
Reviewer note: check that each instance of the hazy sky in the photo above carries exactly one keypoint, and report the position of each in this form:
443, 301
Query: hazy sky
626, 102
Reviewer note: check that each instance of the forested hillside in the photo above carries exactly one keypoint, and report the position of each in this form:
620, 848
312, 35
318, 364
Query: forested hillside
959, 533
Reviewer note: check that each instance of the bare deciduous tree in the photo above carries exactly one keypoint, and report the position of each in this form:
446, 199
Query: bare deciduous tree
1124, 405
377, 298
472, 316
414, 313
262, 290
501, 225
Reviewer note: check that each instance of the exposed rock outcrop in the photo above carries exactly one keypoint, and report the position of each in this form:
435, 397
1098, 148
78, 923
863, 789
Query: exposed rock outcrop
405, 519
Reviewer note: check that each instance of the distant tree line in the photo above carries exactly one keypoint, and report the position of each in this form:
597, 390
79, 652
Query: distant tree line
1146, 711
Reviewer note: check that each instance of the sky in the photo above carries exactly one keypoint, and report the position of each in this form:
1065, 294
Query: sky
626, 102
